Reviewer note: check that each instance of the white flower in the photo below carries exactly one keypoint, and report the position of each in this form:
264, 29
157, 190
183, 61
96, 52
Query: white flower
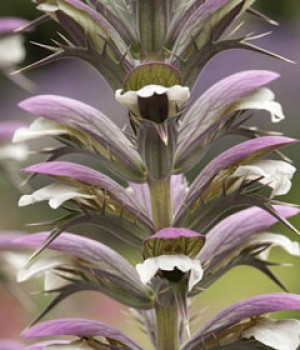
275, 174
278, 334
148, 269
14, 152
48, 6
56, 194
263, 99
13, 261
12, 50
46, 268
176, 95
273, 240
38, 267
39, 128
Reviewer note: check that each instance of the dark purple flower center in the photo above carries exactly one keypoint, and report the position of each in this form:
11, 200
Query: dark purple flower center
154, 108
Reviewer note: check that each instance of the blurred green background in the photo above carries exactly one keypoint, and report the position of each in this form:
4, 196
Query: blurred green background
78, 81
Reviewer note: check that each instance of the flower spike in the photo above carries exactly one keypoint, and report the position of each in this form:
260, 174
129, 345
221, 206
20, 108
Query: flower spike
180, 235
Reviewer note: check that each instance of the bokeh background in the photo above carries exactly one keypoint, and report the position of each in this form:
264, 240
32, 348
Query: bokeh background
77, 80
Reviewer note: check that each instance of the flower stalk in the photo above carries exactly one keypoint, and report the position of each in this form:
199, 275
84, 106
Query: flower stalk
161, 202
152, 14
167, 327
167, 322
167, 317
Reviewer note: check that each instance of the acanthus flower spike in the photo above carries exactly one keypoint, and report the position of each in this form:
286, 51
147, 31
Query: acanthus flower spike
183, 236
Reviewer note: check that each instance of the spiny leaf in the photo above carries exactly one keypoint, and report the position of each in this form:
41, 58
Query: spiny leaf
63, 294
55, 233
34, 23
245, 44
263, 267
262, 16
270, 209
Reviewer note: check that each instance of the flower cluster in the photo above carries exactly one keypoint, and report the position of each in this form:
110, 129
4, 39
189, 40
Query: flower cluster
12, 49
12, 53
187, 235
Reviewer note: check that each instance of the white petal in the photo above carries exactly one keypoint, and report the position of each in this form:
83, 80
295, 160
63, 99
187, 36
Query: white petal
151, 266
48, 6
12, 50
147, 270
274, 166
276, 174
263, 99
56, 194
250, 171
15, 260
278, 334
281, 185
14, 152
54, 281
57, 201
196, 274
128, 99
274, 239
39, 267
39, 128
150, 90
176, 96
169, 262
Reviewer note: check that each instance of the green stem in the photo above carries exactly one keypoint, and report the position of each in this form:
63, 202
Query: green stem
167, 321
152, 21
167, 327
161, 202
